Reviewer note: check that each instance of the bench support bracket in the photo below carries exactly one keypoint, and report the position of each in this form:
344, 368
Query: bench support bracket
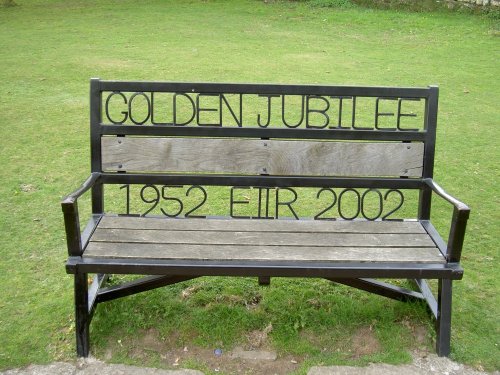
429, 297
380, 288
138, 286
98, 281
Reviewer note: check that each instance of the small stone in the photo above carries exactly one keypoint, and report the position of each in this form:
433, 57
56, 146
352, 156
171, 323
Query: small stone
255, 355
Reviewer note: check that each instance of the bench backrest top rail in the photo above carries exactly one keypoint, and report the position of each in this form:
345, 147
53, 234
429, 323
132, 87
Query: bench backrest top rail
251, 88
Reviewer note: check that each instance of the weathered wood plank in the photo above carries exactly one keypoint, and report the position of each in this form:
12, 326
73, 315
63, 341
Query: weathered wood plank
274, 157
255, 225
262, 238
263, 253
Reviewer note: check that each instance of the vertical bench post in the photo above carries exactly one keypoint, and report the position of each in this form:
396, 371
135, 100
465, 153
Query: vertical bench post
82, 316
95, 142
443, 321
430, 125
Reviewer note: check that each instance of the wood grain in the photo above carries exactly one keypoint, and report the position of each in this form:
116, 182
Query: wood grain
253, 157
262, 238
263, 253
255, 225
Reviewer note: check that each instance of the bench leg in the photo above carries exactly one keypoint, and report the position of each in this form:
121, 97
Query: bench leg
443, 321
82, 315
264, 280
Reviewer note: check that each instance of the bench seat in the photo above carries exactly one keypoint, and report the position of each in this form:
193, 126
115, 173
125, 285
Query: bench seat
257, 247
262, 240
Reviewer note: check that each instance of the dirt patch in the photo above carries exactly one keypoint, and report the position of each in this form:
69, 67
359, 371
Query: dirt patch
256, 339
364, 342
325, 344
186, 293
149, 346
219, 361
27, 188
227, 364
421, 336
173, 351
151, 340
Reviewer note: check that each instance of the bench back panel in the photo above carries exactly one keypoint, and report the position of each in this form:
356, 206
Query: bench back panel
257, 157
316, 135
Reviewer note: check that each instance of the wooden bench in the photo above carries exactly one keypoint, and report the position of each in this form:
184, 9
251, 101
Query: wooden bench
363, 145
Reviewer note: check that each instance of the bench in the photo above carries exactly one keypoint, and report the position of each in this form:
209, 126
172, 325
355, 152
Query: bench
354, 156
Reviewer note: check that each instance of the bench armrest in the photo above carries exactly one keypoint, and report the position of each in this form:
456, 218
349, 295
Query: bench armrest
443, 194
458, 222
69, 200
69, 205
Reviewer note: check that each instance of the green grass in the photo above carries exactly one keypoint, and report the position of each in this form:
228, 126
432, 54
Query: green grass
50, 49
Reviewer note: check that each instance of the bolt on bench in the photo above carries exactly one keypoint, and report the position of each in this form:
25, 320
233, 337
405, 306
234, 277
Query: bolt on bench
355, 148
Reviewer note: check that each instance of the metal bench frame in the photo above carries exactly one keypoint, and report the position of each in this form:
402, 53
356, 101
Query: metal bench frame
166, 272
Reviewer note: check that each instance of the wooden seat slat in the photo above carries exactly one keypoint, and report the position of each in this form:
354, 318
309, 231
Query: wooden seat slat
253, 225
119, 250
263, 238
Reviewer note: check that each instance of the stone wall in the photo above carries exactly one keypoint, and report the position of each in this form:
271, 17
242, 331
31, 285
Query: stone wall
478, 2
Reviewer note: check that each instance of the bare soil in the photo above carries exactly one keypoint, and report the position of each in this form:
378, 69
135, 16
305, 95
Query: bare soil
149, 343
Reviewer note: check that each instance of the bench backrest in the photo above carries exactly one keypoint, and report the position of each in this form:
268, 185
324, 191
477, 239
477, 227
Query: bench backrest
263, 135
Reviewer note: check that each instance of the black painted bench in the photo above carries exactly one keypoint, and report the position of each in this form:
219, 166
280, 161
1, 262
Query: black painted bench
363, 145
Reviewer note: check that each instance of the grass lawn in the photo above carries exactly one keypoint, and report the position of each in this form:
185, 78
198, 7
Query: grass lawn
50, 49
